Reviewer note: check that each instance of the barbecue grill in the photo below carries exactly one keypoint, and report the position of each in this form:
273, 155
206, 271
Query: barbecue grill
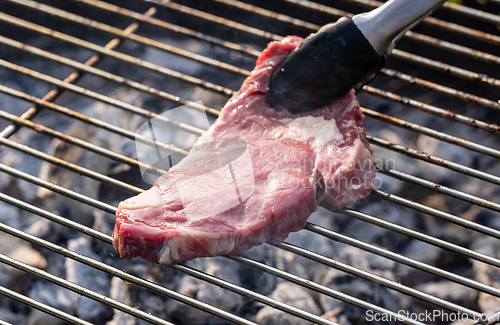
440, 88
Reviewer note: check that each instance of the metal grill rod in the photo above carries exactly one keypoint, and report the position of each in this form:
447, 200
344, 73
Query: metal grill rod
399, 54
213, 18
103, 74
453, 7
438, 188
429, 108
42, 307
437, 213
214, 112
399, 148
434, 160
376, 279
410, 34
96, 96
4, 323
450, 27
309, 226
111, 239
401, 259
81, 143
431, 133
125, 186
81, 290
391, 73
440, 88
452, 47
72, 78
98, 176
171, 27
90, 120
114, 54
445, 68
411, 103
122, 275
406, 101
358, 215
65, 15
319, 288
372, 277
58, 189
422, 237
75, 168
469, 32
472, 13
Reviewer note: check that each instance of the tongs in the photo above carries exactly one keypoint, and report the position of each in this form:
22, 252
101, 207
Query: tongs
343, 55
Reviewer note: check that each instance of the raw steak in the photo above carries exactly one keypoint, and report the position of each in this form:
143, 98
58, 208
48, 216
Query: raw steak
256, 174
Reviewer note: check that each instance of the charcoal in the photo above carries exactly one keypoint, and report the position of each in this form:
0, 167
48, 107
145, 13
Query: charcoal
11, 317
119, 292
292, 295
52, 295
38, 317
450, 291
336, 316
45, 229
201, 290
252, 278
380, 263
87, 277
367, 291
9, 215
487, 274
421, 252
23, 252
182, 313
68, 179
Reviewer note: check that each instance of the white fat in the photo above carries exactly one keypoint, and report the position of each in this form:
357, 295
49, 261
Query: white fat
149, 198
170, 253
316, 127
165, 255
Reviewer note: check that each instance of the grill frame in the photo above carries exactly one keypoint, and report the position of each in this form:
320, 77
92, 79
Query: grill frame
24, 120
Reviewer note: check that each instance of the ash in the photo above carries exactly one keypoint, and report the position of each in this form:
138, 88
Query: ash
221, 267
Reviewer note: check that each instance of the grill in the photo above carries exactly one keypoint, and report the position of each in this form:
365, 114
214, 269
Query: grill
449, 84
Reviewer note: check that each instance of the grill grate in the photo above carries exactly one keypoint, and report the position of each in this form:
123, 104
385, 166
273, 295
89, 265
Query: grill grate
410, 61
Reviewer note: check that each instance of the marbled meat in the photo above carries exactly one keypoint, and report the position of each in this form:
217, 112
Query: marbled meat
255, 174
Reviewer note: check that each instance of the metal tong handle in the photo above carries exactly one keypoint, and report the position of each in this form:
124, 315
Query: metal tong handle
383, 26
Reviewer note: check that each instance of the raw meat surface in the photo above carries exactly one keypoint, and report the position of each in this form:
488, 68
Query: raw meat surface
256, 174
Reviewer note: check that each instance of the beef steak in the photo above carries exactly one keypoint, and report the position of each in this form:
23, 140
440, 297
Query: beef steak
255, 174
